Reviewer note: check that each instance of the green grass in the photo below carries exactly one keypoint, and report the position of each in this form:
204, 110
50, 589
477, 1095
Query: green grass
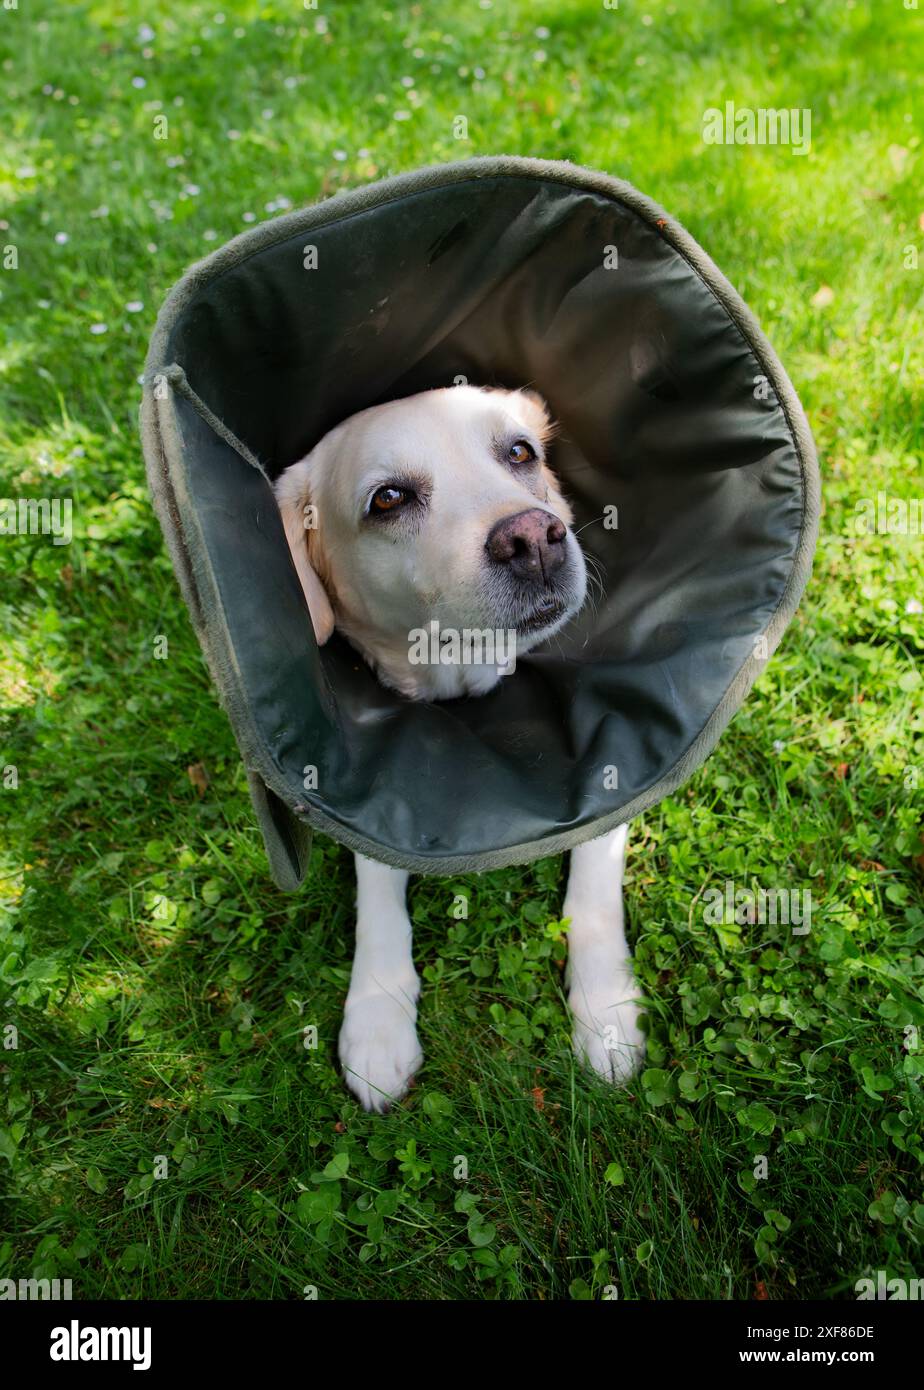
160, 984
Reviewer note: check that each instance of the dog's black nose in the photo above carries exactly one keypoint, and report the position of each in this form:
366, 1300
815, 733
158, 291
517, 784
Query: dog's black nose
531, 543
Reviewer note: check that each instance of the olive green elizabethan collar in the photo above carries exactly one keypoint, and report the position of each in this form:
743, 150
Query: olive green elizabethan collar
672, 408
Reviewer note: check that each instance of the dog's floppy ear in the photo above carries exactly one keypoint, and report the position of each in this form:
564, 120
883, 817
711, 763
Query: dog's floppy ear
528, 407
532, 411
294, 505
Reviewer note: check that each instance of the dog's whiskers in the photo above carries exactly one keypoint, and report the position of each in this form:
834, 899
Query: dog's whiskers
592, 522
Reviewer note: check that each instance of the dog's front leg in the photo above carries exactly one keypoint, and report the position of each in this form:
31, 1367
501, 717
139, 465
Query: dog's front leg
378, 1040
602, 993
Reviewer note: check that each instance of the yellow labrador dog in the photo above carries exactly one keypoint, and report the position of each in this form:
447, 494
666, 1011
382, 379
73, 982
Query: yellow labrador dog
441, 509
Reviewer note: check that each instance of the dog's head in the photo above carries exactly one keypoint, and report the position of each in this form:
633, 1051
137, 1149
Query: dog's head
439, 508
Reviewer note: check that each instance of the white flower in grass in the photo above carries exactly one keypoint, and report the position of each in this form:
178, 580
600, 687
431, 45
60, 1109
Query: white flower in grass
191, 190
233, 134
61, 238
174, 161
267, 113
248, 217
290, 82
146, 34
778, 746
340, 155
98, 328
26, 171
402, 115
540, 55
407, 82
139, 82
542, 32
134, 306
320, 25
914, 605
43, 303
209, 235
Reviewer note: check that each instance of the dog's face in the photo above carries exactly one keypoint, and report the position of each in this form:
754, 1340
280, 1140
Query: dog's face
437, 508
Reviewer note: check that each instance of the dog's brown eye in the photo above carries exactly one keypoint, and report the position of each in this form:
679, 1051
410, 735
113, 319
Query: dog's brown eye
521, 452
387, 498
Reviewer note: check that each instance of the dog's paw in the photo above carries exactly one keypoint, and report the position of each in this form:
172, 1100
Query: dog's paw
379, 1048
606, 1034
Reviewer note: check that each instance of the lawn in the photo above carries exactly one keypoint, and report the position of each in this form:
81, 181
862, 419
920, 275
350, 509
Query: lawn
163, 1130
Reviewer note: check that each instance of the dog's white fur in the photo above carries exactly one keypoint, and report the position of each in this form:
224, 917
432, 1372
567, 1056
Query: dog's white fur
379, 579
376, 578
